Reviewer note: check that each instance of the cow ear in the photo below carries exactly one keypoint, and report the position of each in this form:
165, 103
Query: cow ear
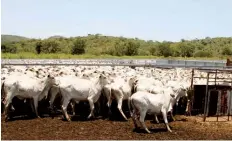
172, 95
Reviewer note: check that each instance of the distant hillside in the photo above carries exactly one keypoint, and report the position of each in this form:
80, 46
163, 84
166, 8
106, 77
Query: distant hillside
12, 38
56, 37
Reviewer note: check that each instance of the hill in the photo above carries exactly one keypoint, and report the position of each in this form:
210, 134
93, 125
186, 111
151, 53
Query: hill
56, 37
12, 38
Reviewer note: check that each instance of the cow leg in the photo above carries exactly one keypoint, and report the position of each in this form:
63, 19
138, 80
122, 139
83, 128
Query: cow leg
129, 108
73, 105
141, 119
91, 104
164, 113
36, 106
12, 107
134, 117
109, 106
7, 111
64, 108
156, 118
54, 92
172, 116
32, 105
8, 103
120, 108
119, 97
98, 107
107, 92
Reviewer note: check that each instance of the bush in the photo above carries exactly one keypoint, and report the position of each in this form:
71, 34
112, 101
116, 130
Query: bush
131, 48
50, 46
227, 51
78, 47
38, 47
119, 49
9, 48
164, 49
202, 53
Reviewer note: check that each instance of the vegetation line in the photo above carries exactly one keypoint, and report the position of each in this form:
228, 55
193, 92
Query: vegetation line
99, 46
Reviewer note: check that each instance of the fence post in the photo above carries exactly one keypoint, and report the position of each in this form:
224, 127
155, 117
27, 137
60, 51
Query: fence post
208, 100
219, 104
206, 94
192, 79
229, 106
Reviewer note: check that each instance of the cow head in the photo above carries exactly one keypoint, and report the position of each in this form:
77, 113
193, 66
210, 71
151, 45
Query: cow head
103, 79
50, 80
181, 92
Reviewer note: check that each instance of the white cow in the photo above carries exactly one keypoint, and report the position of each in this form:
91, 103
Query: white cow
23, 86
120, 90
81, 90
145, 102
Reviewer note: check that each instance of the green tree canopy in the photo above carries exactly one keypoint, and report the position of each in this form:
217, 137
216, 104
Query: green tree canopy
78, 47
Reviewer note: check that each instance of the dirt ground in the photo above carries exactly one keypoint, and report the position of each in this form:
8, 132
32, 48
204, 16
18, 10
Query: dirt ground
189, 128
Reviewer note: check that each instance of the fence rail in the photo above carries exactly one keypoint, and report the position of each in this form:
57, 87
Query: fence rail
163, 63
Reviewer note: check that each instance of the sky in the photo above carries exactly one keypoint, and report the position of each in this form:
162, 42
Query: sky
158, 20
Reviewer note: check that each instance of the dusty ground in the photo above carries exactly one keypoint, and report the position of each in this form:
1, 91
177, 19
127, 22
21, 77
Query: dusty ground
47, 128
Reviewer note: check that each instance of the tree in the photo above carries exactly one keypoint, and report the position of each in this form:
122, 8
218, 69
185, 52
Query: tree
9, 48
119, 48
78, 46
227, 50
164, 49
38, 47
153, 50
50, 46
3, 48
131, 48
185, 49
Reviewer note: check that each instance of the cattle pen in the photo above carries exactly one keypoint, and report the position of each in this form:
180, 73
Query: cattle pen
221, 104
214, 88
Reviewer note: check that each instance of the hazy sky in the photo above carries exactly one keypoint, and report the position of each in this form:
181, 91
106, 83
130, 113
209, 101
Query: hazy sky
169, 20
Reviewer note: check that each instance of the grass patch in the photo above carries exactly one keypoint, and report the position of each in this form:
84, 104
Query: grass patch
28, 55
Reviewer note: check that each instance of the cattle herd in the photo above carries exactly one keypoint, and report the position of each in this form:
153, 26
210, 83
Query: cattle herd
148, 90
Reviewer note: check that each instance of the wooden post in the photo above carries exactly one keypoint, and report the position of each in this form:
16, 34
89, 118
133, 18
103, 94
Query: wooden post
192, 91
229, 106
206, 94
192, 79
219, 104
208, 100
215, 81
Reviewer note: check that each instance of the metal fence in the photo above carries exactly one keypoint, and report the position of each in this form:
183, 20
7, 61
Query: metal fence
167, 63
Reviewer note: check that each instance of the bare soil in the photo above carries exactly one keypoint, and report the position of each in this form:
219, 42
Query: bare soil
184, 128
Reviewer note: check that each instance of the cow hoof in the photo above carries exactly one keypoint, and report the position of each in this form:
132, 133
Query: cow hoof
126, 119
60, 118
91, 117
